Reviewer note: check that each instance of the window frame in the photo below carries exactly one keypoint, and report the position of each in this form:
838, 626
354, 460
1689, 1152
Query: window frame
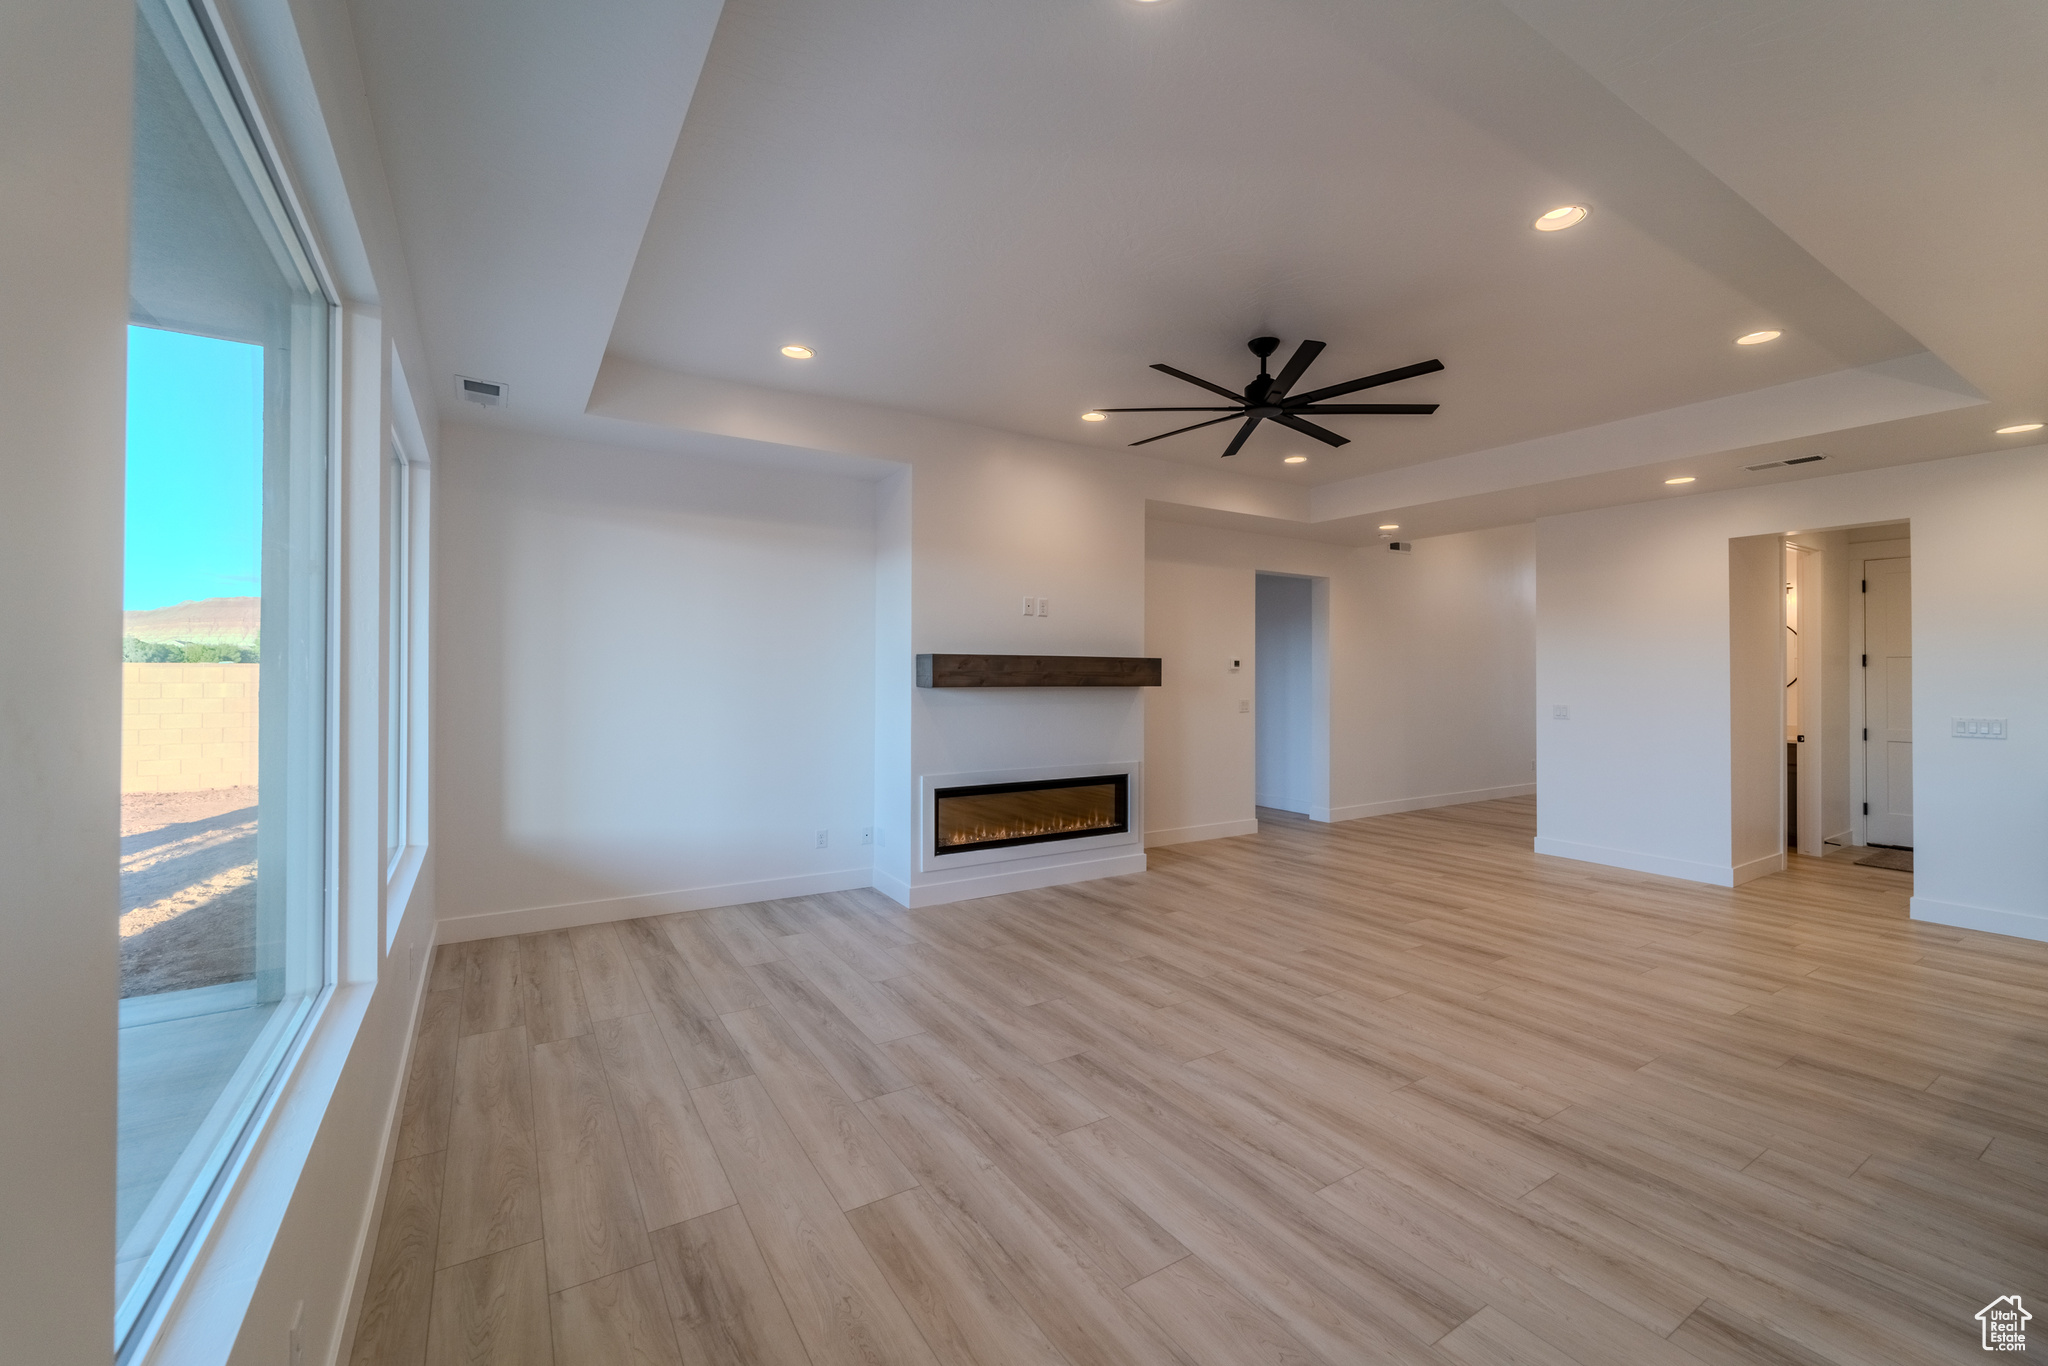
398, 680
272, 1064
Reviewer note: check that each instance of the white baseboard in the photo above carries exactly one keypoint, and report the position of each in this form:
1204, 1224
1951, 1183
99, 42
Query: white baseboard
1188, 834
1014, 880
534, 919
372, 1219
895, 888
1756, 868
1477, 794
1714, 874
2014, 923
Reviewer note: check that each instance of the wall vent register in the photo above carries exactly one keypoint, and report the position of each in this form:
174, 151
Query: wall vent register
1002, 815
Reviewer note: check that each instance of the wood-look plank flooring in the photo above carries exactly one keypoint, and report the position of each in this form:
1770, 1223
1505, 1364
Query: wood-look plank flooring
1396, 1090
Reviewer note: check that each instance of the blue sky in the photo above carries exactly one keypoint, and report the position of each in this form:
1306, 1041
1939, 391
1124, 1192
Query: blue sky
195, 468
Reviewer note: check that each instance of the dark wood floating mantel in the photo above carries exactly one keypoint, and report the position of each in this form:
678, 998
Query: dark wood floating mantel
1035, 671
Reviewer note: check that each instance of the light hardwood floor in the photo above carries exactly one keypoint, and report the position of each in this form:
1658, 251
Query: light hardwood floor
1396, 1090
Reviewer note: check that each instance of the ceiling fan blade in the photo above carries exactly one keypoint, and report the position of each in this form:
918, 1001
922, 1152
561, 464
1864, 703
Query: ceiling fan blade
1428, 367
1422, 408
1243, 434
1178, 430
1238, 409
1230, 394
1322, 434
1303, 357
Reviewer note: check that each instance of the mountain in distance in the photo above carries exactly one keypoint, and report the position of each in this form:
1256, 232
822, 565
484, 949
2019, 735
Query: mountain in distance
210, 621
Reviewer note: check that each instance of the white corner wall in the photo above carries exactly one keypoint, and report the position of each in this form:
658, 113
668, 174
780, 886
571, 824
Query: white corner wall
1200, 748
64, 99
1431, 670
1756, 686
657, 677
1633, 635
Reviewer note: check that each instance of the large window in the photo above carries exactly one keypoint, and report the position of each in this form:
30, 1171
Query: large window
224, 904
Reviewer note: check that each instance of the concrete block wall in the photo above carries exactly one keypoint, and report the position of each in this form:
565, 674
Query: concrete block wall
185, 727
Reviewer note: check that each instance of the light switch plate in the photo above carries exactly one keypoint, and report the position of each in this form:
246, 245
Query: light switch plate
1977, 727
1560, 713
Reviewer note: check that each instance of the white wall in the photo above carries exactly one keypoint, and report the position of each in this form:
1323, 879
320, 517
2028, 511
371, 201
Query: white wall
895, 810
1200, 734
980, 519
1633, 634
1756, 681
64, 99
1430, 674
659, 675
993, 521
1286, 699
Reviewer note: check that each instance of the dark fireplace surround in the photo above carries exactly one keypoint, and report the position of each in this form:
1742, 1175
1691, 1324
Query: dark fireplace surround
1037, 811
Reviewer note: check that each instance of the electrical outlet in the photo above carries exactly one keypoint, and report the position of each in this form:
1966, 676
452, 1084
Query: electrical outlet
1045, 607
1560, 713
1031, 607
1244, 704
867, 834
824, 839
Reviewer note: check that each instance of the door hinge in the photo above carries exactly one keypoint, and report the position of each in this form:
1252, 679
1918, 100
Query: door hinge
1865, 588
1866, 808
1866, 735
1866, 661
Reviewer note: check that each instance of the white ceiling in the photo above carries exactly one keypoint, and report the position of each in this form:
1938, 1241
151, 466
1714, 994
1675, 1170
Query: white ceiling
1003, 213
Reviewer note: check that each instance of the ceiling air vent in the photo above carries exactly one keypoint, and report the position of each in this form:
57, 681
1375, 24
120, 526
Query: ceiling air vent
488, 393
1781, 464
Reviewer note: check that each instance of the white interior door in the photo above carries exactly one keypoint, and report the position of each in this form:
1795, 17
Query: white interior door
1888, 701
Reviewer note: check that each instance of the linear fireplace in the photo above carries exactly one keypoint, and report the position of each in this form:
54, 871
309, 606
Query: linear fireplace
1035, 820
1037, 811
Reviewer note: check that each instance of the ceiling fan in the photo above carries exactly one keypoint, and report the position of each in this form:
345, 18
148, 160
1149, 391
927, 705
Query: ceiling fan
1266, 399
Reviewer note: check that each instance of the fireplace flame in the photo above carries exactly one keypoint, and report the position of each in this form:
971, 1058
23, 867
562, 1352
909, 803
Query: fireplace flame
982, 834
976, 816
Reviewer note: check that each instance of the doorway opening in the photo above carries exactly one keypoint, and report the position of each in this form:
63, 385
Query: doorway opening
1881, 703
1821, 690
1293, 766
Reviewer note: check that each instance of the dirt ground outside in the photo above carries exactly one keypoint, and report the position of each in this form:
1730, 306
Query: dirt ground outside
188, 889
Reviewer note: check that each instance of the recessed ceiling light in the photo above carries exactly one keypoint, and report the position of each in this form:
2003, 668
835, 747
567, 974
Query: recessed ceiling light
2017, 428
1094, 417
798, 352
1759, 338
1295, 460
1391, 526
1562, 217
1681, 479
